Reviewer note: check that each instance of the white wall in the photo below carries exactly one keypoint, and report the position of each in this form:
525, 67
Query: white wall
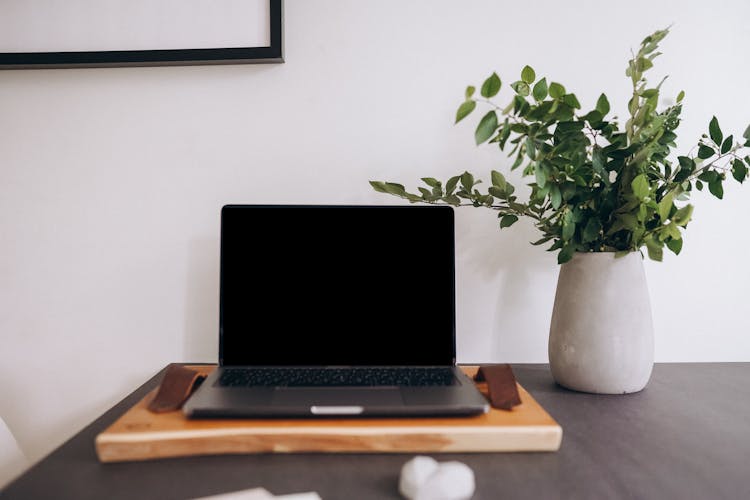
111, 182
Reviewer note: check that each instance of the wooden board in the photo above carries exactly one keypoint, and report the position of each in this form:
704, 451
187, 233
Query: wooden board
142, 435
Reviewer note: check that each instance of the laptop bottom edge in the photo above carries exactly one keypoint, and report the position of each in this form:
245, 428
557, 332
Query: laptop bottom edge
212, 400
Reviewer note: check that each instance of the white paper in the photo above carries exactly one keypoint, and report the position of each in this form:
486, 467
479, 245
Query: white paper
260, 494
253, 494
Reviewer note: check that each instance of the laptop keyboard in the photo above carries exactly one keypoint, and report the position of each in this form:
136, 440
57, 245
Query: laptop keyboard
333, 377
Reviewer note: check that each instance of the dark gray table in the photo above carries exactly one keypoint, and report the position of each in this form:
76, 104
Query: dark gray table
686, 436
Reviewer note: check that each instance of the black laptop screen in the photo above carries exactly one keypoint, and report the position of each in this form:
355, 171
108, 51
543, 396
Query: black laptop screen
337, 285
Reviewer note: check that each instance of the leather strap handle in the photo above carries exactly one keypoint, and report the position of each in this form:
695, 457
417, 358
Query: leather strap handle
176, 386
501, 384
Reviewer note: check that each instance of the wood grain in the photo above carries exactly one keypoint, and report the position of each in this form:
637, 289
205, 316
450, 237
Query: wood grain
142, 435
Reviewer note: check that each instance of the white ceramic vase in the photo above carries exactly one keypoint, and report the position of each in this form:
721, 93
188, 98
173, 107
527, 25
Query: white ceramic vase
601, 335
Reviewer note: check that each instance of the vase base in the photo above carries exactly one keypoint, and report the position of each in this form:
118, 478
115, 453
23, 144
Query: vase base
601, 390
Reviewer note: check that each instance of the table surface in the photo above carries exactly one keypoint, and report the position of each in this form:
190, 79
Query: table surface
687, 435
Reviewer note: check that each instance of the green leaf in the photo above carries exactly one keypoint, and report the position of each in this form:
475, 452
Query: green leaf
566, 253
640, 186
643, 64
527, 74
686, 163
542, 241
507, 221
655, 249
555, 196
497, 192
593, 117
491, 86
530, 148
540, 90
739, 170
541, 175
464, 109
687, 167
452, 200
432, 182
556, 90
568, 190
680, 97
708, 176
556, 245
598, 163
705, 152
378, 186
505, 134
521, 88
602, 105
498, 180
518, 128
517, 163
672, 231
633, 105
746, 133
572, 101
716, 188
568, 230
450, 186
668, 138
469, 92
675, 246
487, 126
467, 181
395, 189
727, 144
591, 230
665, 206
637, 235
714, 131
683, 215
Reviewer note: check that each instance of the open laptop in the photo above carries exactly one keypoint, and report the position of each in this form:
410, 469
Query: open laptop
336, 311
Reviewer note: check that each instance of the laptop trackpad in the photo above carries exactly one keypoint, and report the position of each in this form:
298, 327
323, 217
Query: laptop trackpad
344, 396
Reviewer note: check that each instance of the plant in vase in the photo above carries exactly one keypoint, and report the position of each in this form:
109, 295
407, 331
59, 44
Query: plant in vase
600, 193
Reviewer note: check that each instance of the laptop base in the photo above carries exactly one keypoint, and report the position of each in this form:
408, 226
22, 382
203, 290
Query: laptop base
215, 401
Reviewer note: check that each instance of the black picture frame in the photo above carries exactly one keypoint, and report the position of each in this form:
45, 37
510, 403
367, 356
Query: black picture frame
171, 57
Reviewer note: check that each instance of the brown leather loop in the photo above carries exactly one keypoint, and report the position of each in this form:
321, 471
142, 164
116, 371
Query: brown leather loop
501, 384
176, 386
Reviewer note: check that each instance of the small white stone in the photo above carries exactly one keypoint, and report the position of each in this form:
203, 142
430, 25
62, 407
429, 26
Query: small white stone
414, 473
451, 481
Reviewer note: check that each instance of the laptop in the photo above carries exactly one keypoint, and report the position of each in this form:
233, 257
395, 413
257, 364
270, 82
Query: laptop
330, 311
